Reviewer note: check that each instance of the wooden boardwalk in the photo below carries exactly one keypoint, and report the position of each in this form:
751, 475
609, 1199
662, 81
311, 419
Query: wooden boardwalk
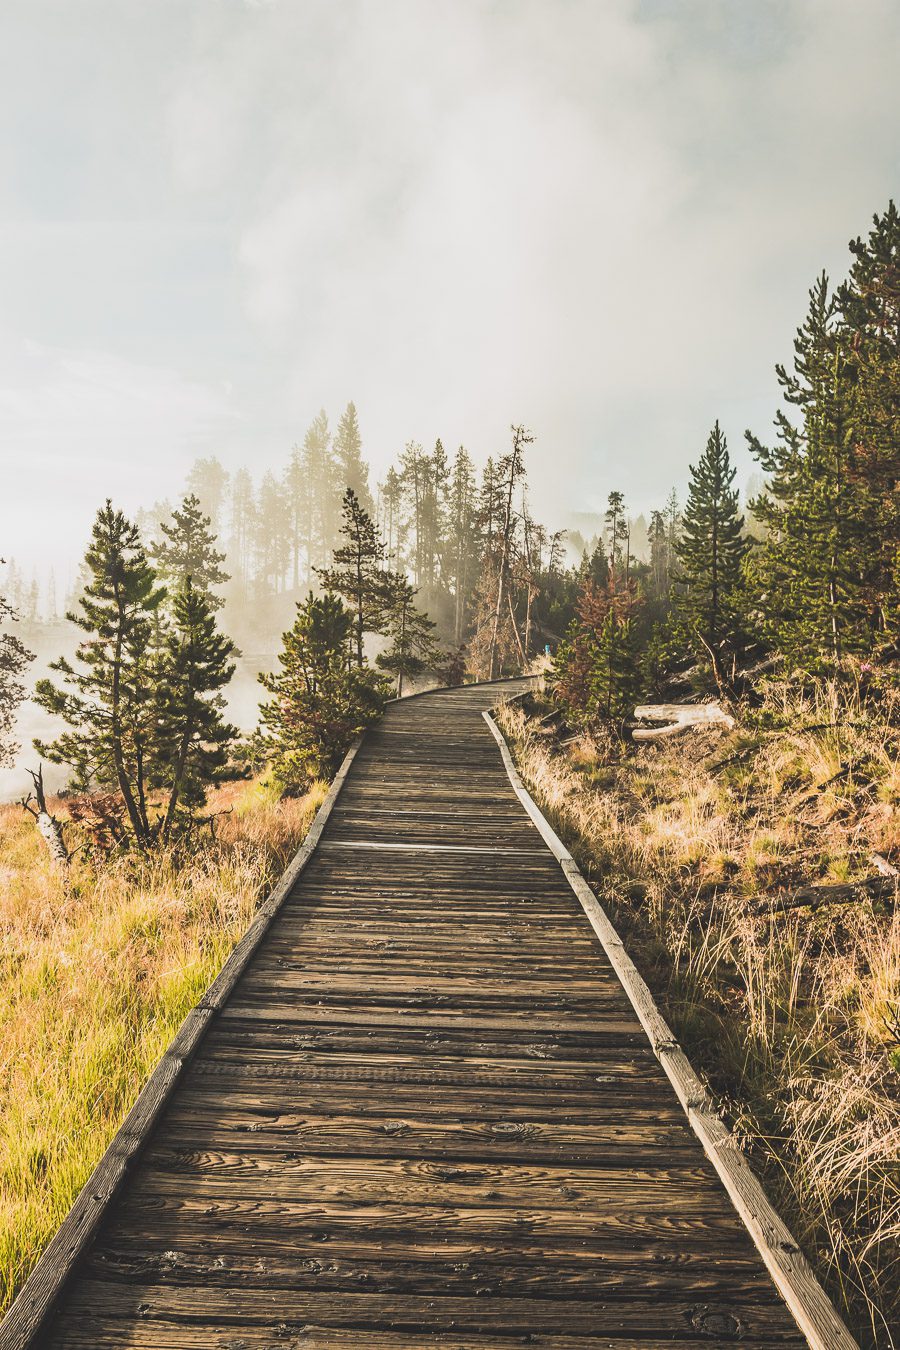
427, 1114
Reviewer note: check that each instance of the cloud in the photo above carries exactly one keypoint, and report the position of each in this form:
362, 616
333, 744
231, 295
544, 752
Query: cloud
78, 426
598, 219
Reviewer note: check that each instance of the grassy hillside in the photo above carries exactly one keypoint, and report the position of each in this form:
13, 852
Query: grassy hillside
96, 973
795, 1014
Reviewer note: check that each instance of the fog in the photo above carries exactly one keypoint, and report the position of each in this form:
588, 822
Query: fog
598, 220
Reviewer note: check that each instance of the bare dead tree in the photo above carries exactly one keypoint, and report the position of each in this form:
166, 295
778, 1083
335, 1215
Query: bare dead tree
50, 828
512, 469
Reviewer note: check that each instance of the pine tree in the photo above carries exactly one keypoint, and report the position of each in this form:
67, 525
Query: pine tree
320, 698
316, 473
413, 476
191, 736
108, 702
351, 469
391, 500
410, 634
271, 537
617, 531
659, 555
241, 528
870, 311
807, 573
597, 674
462, 539
357, 572
616, 676
187, 551
711, 547
14, 660
208, 481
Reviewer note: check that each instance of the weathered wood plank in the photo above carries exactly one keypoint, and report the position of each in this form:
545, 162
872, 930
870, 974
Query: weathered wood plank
419, 1110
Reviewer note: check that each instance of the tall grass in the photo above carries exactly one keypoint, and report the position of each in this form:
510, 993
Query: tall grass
96, 973
794, 1017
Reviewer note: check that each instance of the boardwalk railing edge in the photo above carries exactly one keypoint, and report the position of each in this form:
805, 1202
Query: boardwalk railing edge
809, 1304
35, 1300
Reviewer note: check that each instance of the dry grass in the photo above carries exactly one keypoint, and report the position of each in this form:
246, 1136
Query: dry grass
95, 977
794, 1018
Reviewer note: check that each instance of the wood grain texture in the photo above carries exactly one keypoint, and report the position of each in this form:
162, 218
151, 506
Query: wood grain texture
785, 1261
417, 1108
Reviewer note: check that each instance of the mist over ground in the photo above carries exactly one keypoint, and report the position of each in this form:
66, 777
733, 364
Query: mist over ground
600, 221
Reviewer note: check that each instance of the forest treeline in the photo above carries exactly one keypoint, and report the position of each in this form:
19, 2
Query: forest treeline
443, 569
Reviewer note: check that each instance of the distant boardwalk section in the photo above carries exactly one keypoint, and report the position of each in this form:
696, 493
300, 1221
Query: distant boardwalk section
426, 1115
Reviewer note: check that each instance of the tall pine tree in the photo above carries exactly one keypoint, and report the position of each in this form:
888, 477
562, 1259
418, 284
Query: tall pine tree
711, 547
807, 574
357, 572
191, 736
186, 550
351, 470
411, 647
108, 698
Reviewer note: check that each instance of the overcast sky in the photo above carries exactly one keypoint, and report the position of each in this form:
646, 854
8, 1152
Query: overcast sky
597, 217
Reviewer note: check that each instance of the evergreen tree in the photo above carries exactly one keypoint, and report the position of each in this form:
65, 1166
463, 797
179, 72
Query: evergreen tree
617, 531
208, 481
108, 702
659, 555
241, 527
316, 473
357, 572
616, 676
462, 539
807, 573
595, 566
351, 469
413, 478
870, 311
191, 736
391, 501
14, 660
711, 546
597, 675
410, 633
321, 698
272, 538
187, 551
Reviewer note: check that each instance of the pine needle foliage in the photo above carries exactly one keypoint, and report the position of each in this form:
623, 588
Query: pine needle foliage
142, 702
187, 551
357, 572
321, 698
711, 546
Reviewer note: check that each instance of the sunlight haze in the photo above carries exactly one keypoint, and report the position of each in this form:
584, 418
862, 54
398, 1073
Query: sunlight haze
599, 220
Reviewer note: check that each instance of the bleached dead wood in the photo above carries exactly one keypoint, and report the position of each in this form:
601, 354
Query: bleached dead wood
887, 869
48, 826
679, 718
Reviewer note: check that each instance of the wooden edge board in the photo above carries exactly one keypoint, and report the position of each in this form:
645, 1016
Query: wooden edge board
793, 1276
36, 1298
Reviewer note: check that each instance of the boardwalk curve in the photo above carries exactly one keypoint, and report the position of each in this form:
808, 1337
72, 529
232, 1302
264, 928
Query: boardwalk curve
417, 1109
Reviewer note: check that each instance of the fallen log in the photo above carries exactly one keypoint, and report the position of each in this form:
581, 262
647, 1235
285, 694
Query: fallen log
842, 893
679, 717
